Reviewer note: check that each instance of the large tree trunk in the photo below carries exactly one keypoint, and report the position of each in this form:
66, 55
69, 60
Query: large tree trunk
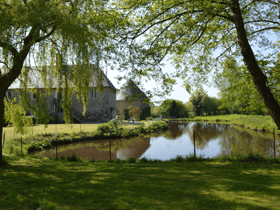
259, 78
1, 123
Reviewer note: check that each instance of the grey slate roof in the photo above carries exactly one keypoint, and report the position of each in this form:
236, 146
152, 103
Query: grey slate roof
130, 91
35, 80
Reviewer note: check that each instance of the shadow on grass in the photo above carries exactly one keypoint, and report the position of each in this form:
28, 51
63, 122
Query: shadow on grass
48, 184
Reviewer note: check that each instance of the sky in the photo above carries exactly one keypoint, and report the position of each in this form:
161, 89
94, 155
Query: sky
179, 92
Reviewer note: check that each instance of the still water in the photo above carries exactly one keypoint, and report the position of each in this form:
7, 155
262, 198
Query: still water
210, 140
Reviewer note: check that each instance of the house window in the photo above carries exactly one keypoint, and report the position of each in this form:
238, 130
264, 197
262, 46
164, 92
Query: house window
34, 96
9, 95
93, 93
59, 109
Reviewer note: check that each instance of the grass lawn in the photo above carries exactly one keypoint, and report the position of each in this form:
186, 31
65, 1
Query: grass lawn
249, 121
30, 183
60, 128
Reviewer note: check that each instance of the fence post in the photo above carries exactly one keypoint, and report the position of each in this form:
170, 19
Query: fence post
56, 148
274, 155
110, 147
3, 140
194, 143
21, 145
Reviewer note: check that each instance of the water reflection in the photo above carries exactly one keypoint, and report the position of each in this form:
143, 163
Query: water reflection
204, 133
102, 149
211, 140
175, 131
236, 140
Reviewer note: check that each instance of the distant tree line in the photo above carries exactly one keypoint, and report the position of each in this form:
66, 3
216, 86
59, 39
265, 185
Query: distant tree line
200, 104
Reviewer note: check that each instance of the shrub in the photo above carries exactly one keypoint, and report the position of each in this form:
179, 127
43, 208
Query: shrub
73, 158
132, 160
143, 160
145, 113
179, 159
149, 118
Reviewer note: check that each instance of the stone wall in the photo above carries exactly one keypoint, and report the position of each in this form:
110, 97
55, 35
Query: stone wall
99, 109
122, 104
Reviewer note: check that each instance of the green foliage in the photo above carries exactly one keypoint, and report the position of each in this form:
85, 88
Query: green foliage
238, 92
16, 115
173, 107
132, 160
145, 113
74, 158
134, 112
197, 100
126, 114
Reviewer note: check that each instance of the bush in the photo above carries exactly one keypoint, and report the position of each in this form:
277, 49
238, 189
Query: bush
126, 114
146, 112
179, 159
143, 160
74, 158
132, 160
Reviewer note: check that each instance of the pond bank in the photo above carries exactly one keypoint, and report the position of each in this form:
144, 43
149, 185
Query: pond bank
104, 131
252, 122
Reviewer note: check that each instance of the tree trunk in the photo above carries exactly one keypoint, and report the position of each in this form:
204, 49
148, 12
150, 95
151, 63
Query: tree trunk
259, 78
1, 123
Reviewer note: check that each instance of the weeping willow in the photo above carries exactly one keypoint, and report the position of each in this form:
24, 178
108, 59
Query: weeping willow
53, 45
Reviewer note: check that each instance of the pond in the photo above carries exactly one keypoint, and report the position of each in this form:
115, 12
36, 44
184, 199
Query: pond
210, 140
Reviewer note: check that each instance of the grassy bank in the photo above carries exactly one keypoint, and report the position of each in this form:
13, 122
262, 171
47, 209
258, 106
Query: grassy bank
61, 129
254, 122
29, 183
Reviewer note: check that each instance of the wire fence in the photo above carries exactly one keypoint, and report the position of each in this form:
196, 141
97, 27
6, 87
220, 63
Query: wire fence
189, 139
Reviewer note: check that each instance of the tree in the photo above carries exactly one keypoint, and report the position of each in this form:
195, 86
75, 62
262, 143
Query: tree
134, 112
191, 32
173, 108
237, 89
197, 99
210, 105
54, 34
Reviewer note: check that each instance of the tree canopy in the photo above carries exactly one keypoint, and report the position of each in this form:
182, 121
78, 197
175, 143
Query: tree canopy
197, 35
237, 89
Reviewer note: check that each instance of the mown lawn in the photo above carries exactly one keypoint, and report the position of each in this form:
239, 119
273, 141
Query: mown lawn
60, 128
30, 183
257, 122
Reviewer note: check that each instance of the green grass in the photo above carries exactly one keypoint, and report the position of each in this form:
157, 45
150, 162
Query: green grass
255, 122
60, 129
30, 183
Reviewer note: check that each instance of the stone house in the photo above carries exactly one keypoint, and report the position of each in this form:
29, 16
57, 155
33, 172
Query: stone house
101, 105
131, 95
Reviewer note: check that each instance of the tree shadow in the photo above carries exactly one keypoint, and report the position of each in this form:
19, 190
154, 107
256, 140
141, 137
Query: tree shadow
37, 183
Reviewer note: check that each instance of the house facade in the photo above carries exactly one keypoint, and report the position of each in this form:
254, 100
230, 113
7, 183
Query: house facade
131, 95
101, 105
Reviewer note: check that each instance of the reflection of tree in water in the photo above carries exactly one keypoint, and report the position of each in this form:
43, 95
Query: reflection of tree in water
240, 141
174, 132
204, 133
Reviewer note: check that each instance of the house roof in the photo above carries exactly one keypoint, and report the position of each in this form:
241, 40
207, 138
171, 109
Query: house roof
130, 91
35, 80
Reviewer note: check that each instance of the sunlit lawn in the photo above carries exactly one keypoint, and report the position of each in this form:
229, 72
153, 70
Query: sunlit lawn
258, 122
49, 184
60, 128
